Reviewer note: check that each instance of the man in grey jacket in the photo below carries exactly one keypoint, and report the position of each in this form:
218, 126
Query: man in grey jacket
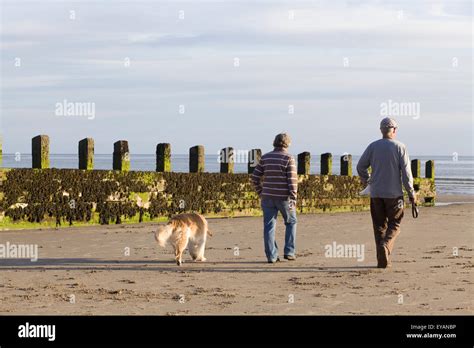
390, 164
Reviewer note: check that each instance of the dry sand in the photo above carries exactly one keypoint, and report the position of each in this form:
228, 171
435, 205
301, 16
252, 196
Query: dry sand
90, 264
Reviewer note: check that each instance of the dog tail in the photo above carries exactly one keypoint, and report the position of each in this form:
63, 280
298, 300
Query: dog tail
163, 233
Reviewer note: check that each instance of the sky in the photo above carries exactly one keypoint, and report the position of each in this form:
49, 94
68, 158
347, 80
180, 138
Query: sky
236, 73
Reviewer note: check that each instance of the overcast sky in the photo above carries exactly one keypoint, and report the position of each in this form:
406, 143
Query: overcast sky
238, 68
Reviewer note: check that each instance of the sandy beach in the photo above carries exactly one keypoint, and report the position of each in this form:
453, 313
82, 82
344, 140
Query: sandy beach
84, 270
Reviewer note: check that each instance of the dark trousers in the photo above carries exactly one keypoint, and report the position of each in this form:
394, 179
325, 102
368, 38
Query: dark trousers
387, 214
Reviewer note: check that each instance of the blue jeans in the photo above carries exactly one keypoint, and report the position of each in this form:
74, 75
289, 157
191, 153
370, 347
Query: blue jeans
270, 209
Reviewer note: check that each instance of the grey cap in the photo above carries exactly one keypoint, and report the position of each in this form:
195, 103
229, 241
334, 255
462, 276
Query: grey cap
388, 122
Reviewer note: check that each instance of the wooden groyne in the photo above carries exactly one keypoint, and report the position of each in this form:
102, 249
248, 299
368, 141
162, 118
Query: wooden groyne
41, 196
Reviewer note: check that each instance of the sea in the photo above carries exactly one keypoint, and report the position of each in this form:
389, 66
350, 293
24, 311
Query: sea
453, 174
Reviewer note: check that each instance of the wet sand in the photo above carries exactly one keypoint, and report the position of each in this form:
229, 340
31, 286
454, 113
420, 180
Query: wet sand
89, 265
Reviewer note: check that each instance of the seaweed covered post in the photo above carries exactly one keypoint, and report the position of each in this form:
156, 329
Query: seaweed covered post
226, 159
416, 168
430, 176
163, 157
196, 159
86, 154
430, 169
326, 164
40, 152
346, 165
254, 159
121, 156
304, 163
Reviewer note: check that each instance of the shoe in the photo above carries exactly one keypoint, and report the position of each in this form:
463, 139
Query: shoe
290, 257
275, 261
382, 257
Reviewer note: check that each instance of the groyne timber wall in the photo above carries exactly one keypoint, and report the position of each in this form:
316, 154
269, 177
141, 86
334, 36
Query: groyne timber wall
43, 196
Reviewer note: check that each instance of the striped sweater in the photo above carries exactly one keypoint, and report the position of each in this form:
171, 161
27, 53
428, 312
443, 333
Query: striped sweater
280, 180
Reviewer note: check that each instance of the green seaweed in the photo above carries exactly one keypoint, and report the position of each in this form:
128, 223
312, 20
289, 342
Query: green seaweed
65, 197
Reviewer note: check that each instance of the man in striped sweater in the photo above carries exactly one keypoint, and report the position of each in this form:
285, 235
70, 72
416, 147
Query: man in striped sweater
276, 181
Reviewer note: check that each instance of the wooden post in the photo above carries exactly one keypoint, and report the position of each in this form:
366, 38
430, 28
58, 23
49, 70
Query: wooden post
121, 156
326, 164
254, 159
304, 163
40, 151
430, 169
227, 160
86, 154
430, 174
416, 168
163, 157
346, 165
196, 159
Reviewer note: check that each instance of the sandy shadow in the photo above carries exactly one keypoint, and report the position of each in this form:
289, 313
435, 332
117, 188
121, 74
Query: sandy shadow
86, 264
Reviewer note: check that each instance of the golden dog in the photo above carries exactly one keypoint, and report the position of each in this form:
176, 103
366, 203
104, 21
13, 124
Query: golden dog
185, 230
